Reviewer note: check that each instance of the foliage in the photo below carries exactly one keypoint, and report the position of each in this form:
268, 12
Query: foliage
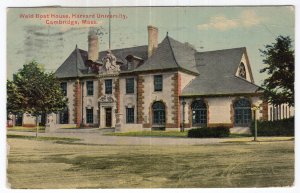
210, 132
280, 61
284, 127
14, 98
34, 91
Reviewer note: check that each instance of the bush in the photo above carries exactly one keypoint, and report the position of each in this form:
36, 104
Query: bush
284, 127
209, 132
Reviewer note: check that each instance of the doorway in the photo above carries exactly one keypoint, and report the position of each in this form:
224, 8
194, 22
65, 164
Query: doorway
108, 119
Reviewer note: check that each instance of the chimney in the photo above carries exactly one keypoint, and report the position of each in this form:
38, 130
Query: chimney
152, 39
93, 50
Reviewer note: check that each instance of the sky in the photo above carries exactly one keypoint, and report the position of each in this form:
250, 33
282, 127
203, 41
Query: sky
206, 28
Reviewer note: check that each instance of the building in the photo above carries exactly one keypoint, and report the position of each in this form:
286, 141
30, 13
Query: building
166, 85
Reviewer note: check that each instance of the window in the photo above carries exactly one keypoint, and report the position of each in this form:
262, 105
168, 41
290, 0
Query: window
89, 115
129, 115
158, 109
129, 85
242, 70
158, 83
199, 113
242, 113
89, 88
64, 116
108, 86
63, 86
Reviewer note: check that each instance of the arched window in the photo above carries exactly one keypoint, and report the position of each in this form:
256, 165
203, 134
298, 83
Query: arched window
158, 109
199, 113
242, 113
242, 70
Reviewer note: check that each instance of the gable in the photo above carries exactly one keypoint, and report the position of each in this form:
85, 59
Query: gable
247, 67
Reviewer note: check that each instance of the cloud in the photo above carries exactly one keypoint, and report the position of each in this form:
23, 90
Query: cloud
220, 23
247, 18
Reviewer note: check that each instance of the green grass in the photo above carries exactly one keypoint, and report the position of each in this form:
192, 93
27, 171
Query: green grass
43, 164
151, 134
26, 129
41, 138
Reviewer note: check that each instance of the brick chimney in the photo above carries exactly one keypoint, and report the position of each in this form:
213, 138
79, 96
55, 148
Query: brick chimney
93, 50
152, 39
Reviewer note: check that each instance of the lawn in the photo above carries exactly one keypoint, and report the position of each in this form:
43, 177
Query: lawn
26, 129
45, 164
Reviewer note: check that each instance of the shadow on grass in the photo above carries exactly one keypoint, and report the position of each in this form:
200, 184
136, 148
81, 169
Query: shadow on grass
41, 138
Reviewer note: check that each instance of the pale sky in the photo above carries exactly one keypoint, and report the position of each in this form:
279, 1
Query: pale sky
207, 28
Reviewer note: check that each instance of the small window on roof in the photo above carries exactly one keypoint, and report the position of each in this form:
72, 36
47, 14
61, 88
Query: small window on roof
242, 70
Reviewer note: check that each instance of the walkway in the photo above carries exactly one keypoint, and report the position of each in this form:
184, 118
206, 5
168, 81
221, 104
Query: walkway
95, 136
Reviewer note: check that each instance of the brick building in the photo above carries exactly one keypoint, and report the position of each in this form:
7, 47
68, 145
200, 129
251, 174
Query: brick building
160, 86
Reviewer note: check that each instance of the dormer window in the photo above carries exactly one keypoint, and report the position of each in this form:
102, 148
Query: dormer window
242, 70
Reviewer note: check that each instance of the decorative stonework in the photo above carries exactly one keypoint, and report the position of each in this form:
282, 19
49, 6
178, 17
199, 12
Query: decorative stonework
100, 88
117, 94
140, 99
106, 99
110, 65
77, 103
176, 89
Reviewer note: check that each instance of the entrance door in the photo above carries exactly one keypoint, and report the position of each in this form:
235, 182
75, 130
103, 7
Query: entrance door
108, 117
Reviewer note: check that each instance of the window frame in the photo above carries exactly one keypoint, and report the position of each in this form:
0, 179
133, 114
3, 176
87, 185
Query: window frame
107, 86
199, 113
129, 115
89, 115
64, 116
242, 114
158, 83
89, 88
64, 88
158, 113
130, 85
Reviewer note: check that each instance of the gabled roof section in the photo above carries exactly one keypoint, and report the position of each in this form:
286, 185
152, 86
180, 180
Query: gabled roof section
73, 66
228, 85
171, 54
217, 74
219, 63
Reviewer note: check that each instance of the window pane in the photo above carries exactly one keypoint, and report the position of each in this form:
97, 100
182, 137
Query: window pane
242, 113
158, 113
90, 88
89, 116
64, 116
63, 86
129, 115
129, 85
108, 86
158, 83
199, 112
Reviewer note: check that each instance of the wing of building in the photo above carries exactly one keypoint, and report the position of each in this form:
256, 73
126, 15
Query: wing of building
164, 85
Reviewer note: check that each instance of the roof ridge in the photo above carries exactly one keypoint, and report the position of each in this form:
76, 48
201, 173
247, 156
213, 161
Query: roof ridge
173, 54
222, 49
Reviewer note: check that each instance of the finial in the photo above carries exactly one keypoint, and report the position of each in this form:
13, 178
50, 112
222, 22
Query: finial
167, 33
76, 46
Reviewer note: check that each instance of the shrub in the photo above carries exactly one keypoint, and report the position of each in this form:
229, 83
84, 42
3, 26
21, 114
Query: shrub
284, 127
209, 132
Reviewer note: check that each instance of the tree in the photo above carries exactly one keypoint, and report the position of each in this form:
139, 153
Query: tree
34, 91
279, 58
